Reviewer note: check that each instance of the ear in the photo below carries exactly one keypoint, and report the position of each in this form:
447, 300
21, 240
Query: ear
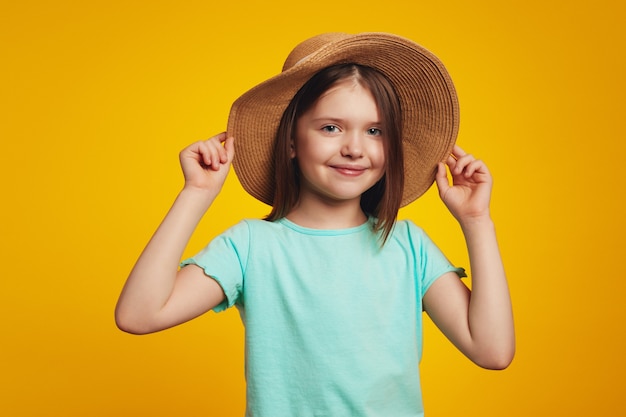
292, 149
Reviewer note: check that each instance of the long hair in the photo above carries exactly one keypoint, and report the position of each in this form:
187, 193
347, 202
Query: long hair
382, 201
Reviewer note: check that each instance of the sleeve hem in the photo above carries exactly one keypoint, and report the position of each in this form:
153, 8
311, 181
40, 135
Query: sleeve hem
228, 301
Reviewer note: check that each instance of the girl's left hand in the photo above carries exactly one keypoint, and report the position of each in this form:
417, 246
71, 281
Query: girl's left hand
469, 195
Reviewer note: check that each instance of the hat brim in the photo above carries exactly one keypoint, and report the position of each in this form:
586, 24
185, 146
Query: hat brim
430, 109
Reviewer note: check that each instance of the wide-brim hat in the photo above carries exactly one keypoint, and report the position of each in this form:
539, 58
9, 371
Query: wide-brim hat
430, 109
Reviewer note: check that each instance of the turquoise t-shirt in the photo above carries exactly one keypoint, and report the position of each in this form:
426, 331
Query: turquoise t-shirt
333, 321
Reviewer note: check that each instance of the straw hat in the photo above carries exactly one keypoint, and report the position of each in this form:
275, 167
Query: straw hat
430, 109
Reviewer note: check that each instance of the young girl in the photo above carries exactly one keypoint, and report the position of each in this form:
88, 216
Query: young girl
330, 287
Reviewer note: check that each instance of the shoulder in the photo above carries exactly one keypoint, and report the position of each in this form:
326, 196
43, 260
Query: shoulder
413, 238
247, 226
249, 231
407, 229
258, 227
257, 224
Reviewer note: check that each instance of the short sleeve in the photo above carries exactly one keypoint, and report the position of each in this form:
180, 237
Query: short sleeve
431, 261
225, 259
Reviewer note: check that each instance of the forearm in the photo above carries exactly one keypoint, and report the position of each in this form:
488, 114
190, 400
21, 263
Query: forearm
490, 317
152, 279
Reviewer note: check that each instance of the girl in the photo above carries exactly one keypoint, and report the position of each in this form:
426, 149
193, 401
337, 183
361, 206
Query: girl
330, 287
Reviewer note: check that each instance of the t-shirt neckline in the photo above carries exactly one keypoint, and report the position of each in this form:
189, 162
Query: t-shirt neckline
324, 232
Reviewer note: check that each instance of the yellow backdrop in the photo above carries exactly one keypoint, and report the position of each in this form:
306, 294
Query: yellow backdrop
98, 97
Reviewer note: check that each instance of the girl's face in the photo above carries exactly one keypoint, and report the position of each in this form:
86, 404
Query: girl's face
339, 145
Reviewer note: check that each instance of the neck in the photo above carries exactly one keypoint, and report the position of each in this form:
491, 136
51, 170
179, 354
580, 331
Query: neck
327, 215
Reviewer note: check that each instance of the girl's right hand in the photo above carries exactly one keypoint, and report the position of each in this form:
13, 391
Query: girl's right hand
205, 164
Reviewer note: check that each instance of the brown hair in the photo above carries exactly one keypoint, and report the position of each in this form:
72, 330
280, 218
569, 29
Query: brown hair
383, 199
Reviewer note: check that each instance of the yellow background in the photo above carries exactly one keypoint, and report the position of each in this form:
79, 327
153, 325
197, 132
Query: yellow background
98, 97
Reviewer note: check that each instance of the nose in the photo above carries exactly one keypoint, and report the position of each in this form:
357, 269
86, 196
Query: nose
352, 146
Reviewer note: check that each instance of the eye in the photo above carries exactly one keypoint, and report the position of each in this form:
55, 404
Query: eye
330, 129
374, 131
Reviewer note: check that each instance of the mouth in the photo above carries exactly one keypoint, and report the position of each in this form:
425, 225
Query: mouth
349, 170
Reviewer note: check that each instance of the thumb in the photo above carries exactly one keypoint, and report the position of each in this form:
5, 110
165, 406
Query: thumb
229, 146
441, 178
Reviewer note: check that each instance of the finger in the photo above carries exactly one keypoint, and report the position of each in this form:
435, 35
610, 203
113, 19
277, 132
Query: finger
476, 172
479, 170
213, 154
471, 168
461, 163
457, 152
229, 147
221, 154
451, 162
204, 149
221, 137
216, 155
207, 155
220, 140
441, 178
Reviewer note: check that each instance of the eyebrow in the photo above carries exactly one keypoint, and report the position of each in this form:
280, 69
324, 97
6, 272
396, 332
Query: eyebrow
339, 121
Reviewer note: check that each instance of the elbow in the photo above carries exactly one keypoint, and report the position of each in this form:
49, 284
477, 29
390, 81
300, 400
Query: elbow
130, 324
129, 327
496, 360
497, 364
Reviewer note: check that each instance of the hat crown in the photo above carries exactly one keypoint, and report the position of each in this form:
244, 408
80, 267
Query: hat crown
311, 45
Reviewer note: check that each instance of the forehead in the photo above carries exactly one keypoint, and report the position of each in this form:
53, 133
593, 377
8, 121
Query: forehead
346, 95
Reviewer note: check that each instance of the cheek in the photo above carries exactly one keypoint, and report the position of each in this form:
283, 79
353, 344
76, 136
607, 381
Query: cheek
378, 156
309, 148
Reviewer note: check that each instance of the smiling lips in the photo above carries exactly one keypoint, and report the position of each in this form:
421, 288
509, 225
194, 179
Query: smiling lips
349, 170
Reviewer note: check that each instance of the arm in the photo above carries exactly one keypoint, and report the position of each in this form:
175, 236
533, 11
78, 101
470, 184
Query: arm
478, 322
156, 294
